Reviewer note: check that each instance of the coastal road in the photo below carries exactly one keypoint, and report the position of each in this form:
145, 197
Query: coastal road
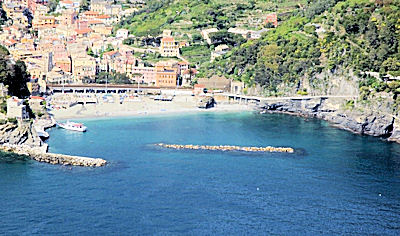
288, 98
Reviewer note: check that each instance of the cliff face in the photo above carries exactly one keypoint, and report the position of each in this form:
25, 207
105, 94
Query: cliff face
369, 119
20, 134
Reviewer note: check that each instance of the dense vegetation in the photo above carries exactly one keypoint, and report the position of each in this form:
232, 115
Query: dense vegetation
313, 37
52, 5
3, 16
189, 16
357, 35
13, 75
112, 78
85, 6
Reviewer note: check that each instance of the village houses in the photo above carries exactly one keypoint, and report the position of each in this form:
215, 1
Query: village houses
73, 47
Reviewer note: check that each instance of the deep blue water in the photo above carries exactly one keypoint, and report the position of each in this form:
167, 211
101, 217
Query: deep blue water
337, 183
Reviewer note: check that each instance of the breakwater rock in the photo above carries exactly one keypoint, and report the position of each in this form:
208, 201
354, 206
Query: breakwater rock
56, 159
228, 148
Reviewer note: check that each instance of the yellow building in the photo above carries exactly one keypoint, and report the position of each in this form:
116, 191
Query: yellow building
83, 67
43, 21
168, 47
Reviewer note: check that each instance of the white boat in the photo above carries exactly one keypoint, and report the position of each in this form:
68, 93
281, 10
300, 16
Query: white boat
73, 126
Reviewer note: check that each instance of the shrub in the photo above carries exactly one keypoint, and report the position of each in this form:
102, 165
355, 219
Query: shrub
302, 92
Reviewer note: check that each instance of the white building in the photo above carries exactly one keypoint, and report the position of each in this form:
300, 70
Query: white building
16, 108
219, 51
122, 33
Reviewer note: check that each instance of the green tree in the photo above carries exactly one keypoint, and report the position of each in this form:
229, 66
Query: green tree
52, 5
17, 83
85, 6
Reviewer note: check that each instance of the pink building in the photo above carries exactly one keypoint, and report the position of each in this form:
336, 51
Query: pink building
144, 74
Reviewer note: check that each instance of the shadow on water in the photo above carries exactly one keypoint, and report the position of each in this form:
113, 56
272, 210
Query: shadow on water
11, 158
111, 167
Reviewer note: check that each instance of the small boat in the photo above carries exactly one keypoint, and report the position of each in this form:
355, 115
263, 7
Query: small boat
72, 126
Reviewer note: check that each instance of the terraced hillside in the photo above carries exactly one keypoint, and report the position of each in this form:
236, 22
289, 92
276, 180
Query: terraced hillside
186, 16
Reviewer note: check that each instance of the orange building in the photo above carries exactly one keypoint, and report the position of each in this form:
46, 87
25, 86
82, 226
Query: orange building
166, 76
64, 64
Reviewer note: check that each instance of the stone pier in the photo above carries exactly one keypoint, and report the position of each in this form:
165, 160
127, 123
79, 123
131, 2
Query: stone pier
55, 159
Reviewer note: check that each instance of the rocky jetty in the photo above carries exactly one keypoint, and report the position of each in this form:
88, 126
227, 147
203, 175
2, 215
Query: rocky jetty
22, 138
228, 148
51, 158
362, 120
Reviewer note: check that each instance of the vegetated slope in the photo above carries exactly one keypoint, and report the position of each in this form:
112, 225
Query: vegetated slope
189, 15
13, 75
326, 36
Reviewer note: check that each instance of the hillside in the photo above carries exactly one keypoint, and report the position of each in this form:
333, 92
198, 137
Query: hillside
319, 47
187, 17
328, 36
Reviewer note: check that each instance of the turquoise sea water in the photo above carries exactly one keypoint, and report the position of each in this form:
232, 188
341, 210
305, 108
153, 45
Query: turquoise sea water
336, 183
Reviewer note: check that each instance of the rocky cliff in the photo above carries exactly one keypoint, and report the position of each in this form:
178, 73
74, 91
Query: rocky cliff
22, 133
368, 119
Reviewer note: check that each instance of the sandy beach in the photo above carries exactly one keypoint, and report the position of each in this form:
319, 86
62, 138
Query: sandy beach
142, 106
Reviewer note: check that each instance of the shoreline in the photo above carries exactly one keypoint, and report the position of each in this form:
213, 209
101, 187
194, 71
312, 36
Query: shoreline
368, 124
143, 108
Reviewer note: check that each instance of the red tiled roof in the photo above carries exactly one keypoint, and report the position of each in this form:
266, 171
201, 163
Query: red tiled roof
83, 31
37, 97
168, 39
91, 13
110, 53
95, 22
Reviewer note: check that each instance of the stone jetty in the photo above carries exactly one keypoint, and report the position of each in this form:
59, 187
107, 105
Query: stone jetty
51, 158
228, 148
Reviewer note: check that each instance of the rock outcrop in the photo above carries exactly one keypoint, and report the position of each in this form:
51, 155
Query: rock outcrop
368, 121
22, 133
